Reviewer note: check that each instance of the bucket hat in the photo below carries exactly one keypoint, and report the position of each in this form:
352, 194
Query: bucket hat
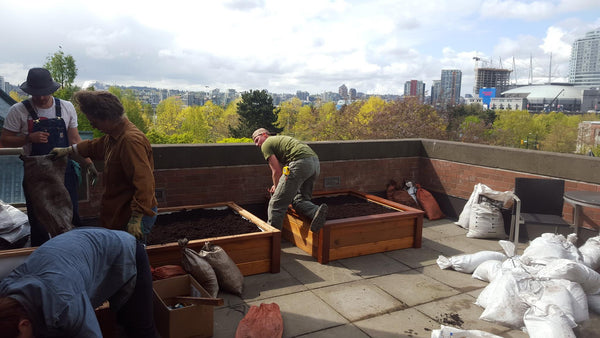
39, 82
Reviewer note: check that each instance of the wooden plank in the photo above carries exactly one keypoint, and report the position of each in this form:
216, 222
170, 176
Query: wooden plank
371, 248
372, 233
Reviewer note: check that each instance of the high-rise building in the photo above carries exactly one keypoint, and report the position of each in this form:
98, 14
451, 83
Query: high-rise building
414, 88
2, 84
435, 93
450, 87
352, 94
492, 78
584, 68
343, 90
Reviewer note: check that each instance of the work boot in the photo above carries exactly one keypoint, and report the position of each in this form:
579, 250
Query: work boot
319, 220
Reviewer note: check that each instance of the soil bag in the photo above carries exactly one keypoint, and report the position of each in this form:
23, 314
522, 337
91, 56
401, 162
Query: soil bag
429, 204
43, 182
262, 321
486, 222
505, 198
549, 247
229, 276
199, 268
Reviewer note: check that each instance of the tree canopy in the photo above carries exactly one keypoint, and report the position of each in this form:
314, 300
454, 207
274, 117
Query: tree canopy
64, 71
255, 110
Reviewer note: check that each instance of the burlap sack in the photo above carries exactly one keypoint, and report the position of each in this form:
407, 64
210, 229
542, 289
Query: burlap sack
262, 321
43, 182
228, 274
199, 268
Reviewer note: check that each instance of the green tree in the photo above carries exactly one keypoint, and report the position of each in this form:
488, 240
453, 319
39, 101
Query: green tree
255, 110
64, 71
169, 115
195, 125
15, 96
132, 106
511, 127
288, 114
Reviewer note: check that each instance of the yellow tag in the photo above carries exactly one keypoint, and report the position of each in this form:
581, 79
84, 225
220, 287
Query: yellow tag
286, 170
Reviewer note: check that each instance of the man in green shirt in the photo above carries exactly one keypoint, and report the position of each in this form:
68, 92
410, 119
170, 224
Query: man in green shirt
294, 169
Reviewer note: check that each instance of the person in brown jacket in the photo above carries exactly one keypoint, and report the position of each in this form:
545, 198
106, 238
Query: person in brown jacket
128, 201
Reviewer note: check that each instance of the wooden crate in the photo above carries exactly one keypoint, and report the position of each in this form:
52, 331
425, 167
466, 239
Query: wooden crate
356, 236
254, 253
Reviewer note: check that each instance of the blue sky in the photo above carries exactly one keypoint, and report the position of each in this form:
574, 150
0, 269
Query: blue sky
374, 46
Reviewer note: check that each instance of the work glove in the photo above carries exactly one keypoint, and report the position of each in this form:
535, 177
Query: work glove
134, 226
92, 173
60, 152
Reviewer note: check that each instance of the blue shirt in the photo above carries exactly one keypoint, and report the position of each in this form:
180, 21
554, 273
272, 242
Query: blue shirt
64, 280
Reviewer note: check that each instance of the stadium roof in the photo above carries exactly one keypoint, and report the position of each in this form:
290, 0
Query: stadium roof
547, 91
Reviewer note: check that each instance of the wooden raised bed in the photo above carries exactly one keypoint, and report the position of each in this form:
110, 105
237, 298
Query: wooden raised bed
356, 236
253, 253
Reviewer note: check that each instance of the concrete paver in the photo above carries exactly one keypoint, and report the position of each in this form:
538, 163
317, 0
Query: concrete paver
400, 293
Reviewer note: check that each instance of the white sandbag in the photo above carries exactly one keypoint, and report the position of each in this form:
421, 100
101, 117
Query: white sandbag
488, 270
590, 252
573, 271
486, 222
594, 303
568, 296
469, 262
503, 301
509, 248
548, 322
447, 331
550, 246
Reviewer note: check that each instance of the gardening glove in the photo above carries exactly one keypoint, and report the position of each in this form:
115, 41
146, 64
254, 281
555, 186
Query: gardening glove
60, 152
92, 173
134, 226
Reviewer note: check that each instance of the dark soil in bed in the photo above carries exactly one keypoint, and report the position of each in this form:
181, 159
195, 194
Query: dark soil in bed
206, 223
198, 224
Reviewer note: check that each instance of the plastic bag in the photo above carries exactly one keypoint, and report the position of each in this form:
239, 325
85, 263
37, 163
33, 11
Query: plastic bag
14, 223
229, 276
447, 331
506, 198
488, 270
262, 321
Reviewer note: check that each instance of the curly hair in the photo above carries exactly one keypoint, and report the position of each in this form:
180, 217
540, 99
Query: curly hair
101, 105
11, 313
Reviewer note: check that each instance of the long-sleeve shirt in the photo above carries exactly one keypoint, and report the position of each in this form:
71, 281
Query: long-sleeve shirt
65, 279
128, 175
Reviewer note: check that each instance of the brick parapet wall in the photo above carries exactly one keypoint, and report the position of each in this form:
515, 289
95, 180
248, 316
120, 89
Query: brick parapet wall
444, 167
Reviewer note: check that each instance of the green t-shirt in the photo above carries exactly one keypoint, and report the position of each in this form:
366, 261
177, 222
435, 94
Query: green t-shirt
286, 149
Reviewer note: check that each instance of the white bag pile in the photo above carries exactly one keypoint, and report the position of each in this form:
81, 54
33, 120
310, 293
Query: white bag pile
545, 291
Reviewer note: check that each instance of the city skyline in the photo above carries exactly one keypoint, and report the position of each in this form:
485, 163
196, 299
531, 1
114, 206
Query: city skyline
285, 46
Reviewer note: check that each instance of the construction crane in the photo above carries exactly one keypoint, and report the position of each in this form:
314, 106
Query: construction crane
549, 106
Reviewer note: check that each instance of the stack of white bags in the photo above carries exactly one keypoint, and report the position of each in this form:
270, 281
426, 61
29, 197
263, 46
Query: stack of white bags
545, 291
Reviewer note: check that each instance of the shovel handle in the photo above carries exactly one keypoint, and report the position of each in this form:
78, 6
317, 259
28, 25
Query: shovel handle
201, 300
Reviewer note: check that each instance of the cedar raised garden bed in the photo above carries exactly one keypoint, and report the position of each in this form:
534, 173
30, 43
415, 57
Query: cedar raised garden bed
253, 252
356, 236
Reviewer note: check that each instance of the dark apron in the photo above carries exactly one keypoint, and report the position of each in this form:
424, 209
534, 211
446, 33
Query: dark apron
58, 137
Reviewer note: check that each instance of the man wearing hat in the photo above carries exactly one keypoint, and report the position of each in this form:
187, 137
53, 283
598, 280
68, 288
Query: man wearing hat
40, 124
294, 169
